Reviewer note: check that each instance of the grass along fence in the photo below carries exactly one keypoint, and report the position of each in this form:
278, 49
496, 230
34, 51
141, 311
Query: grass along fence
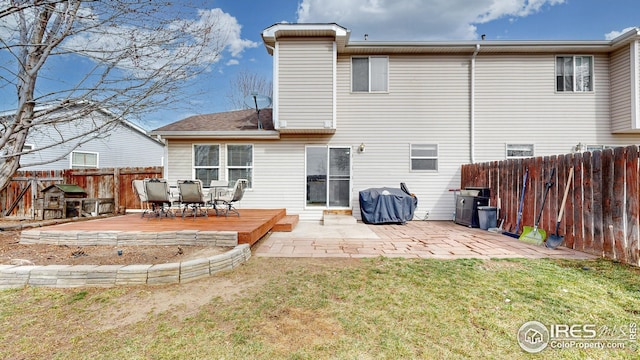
602, 208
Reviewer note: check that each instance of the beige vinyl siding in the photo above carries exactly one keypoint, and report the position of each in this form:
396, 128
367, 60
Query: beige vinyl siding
278, 173
516, 102
180, 163
279, 177
427, 103
305, 83
621, 119
637, 88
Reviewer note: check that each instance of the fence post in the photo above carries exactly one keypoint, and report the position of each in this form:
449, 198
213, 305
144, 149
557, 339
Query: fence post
633, 206
619, 203
116, 190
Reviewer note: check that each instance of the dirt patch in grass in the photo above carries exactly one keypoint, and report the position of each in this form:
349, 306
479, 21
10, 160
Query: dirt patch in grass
295, 328
14, 253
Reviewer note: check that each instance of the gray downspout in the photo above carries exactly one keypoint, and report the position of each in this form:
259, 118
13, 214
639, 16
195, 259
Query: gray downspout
472, 105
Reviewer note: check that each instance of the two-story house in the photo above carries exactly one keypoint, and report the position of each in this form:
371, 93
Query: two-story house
350, 115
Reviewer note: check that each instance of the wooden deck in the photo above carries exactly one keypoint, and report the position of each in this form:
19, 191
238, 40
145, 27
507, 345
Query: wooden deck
251, 225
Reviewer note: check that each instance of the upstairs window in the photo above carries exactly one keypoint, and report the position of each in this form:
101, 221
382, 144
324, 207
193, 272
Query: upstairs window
424, 157
574, 73
369, 74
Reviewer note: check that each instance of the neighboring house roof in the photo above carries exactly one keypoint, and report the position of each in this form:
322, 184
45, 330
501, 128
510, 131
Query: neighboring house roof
135, 128
231, 124
345, 46
62, 129
10, 113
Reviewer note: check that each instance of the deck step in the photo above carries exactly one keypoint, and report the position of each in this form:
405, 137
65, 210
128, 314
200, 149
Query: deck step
337, 212
286, 224
333, 219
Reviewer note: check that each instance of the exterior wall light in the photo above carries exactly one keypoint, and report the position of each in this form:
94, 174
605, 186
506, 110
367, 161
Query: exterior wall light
361, 147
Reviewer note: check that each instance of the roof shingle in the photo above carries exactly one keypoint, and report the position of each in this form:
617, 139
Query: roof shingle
225, 121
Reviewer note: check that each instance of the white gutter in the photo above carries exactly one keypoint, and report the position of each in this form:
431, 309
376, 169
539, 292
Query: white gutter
238, 134
275, 112
472, 106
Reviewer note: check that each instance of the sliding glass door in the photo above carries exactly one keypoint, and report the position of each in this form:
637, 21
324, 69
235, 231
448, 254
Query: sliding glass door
328, 176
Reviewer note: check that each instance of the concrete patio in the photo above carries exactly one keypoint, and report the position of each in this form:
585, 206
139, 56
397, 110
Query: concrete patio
415, 239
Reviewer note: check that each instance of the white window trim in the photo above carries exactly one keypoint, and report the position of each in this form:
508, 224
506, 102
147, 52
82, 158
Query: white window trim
592, 147
592, 71
369, 86
193, 160
437, 158
229, 167
506, 151
97, 154
28, 147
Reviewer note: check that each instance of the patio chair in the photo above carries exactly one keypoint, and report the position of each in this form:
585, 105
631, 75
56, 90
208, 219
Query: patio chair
233, 195
157, 191
138, 189
192, 197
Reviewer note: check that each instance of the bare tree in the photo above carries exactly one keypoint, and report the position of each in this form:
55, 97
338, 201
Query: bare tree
139, 53
246, 83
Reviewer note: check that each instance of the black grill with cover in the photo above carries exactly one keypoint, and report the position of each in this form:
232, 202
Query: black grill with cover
387, 205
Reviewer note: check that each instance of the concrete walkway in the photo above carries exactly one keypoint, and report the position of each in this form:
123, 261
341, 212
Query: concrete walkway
416, 239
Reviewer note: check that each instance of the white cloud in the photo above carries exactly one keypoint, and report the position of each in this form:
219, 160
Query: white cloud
416, 19
228, 25
148, 49
232, 62
614, 34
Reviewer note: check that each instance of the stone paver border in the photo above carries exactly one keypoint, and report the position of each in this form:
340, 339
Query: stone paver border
129, 238
63, 276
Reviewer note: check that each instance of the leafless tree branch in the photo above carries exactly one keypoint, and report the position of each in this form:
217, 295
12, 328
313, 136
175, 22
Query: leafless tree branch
244, 84
142, 53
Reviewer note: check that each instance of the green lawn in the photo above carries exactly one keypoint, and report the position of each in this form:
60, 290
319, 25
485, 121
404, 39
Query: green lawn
329, 309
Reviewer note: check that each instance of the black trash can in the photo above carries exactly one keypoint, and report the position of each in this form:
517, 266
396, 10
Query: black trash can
487, 217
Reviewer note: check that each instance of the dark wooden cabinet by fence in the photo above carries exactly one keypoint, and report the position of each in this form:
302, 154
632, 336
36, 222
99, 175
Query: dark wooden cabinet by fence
63, 200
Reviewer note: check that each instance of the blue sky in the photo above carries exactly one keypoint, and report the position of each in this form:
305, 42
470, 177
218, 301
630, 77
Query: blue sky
390, 20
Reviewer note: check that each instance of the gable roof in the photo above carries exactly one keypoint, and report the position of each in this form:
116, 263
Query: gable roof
7, 114
238, 124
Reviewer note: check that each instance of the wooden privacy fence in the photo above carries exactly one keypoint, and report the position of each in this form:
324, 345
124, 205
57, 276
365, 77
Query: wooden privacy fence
602, 208
19, 198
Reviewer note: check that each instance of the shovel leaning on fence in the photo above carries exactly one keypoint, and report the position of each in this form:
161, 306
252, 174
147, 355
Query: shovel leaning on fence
555, 240
533, 235
515, 234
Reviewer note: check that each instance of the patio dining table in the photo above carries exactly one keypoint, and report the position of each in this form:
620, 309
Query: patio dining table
215, 188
